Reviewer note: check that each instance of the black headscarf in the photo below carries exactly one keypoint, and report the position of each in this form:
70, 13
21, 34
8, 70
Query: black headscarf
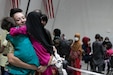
37, 30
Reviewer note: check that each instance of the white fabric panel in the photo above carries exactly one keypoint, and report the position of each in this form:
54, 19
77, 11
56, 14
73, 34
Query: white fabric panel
87, 17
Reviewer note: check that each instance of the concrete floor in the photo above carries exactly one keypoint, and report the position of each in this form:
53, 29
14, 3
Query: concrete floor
84, 67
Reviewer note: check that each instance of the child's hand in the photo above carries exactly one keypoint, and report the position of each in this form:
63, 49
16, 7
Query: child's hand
5, 42
42, 68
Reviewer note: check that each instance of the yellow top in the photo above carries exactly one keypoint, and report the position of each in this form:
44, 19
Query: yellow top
8, 49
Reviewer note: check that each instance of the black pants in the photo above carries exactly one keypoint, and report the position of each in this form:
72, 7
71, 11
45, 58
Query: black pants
100, 68
7, 73
2, 70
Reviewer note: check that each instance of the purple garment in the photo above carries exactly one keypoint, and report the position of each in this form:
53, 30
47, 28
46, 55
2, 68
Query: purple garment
43, 55
109, 52
41, 52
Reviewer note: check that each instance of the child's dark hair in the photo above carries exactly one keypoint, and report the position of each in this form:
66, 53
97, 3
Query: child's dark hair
109, 45
7, 23
44, 18
97, 36
57, 32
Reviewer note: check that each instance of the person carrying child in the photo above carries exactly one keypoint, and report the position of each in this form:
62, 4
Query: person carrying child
23, 50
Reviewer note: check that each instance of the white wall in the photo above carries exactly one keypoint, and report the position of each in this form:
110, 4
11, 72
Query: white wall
34, 4
5, 6
87, 17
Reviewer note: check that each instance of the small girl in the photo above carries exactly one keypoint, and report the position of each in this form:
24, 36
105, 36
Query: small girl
109, 53
23, 49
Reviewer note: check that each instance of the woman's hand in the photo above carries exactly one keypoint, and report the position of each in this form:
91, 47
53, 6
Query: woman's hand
42, 68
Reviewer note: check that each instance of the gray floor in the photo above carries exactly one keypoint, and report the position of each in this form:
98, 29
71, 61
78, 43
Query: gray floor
84, 67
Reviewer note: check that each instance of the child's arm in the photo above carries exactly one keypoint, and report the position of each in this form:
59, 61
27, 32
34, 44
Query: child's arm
18, 30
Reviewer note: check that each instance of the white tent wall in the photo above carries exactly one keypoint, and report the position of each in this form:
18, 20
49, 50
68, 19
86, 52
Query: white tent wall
87, 17
5, 6
34, 4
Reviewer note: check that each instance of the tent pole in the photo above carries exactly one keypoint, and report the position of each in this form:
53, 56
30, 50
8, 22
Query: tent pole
27, 7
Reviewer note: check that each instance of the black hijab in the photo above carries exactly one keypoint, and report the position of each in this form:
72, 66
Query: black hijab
37, 30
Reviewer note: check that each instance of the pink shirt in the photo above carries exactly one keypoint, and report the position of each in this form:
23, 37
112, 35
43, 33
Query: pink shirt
109, 52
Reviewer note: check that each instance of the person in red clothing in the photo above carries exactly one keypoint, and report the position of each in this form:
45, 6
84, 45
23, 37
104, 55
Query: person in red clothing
86, 46
76, 54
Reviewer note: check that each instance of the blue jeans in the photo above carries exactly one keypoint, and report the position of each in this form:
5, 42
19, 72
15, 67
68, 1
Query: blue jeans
7, 73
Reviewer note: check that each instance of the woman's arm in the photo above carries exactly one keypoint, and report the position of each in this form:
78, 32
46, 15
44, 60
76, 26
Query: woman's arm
18, 63
14, 60
42, 68
18, 30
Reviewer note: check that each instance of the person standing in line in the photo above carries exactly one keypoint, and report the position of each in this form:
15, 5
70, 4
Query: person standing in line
98, 54
44, 20
62, 45
104, 43
56, 40
86, 46
76, 54
109, 54
106, 40
63, 37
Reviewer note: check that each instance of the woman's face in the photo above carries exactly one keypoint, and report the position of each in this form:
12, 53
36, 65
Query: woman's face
19, 18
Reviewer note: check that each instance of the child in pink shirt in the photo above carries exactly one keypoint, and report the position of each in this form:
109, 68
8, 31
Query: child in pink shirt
109, 53
109, 50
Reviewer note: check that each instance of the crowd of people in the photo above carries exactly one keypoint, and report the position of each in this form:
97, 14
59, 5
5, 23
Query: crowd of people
29, 49
99, 54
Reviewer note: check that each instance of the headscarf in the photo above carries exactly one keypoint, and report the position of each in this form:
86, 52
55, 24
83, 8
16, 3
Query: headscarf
86, 47
36, 29
85, 40
77, 44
